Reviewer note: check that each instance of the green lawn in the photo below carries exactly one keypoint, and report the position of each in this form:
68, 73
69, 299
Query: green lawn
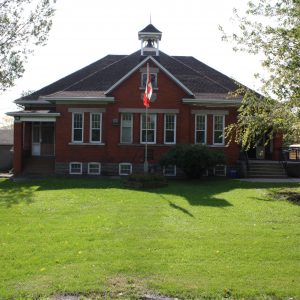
191, 239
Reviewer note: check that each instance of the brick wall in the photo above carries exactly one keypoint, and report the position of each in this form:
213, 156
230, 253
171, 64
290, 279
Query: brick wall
129, 95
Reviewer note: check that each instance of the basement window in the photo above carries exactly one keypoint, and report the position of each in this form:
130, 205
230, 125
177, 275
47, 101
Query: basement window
169, 170
94, 168
125, 168
75, 168
220, 170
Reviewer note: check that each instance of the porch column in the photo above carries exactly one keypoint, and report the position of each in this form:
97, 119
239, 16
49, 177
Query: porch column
18, 148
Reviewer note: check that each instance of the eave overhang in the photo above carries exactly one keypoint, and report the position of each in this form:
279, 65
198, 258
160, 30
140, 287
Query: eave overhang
212, 102
31, 102
34, 116
79, 99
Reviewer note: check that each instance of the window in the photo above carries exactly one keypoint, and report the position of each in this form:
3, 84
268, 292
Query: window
95, 127
36, 133
94, 168
219, 124
148, 130
220, 170
169, 170
125, 168
170, 129
77, 121
153, 80
200, 129
75, 168
126, 128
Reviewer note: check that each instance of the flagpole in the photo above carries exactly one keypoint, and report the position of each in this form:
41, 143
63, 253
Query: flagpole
146, 145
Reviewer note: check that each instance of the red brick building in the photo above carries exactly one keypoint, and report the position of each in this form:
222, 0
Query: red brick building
93, 121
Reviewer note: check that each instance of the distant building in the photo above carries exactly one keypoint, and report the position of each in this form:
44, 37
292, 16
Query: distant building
93, 120
6, 145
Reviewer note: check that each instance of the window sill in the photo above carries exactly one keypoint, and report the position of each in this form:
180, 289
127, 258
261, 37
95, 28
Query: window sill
218, 146
143, 145
154, 89
86, 144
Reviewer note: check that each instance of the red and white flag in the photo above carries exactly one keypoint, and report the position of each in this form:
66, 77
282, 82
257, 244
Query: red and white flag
148, 90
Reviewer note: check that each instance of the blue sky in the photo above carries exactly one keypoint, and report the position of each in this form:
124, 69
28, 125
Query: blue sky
85, 31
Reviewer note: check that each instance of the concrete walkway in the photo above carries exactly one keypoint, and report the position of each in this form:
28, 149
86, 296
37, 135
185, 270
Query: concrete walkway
5, 175
278, 180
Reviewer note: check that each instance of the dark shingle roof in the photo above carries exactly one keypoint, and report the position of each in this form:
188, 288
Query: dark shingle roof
66, 82
150, 28
104, 73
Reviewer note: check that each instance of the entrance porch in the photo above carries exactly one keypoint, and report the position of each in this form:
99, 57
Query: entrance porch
34, 137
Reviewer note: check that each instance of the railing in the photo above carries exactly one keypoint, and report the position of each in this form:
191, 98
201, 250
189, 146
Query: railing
290, 153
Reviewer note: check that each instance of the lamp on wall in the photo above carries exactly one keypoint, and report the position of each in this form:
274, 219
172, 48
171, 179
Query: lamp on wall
115, 122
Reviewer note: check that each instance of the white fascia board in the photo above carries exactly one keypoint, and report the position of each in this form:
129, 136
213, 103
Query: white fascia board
216, 102
37, 119
37, 102
149, 35
188, 91
79, 99
33, 115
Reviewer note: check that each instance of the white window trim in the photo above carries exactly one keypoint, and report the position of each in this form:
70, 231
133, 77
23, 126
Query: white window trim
155, 74
223, 140
100, 141
141, 129
123, 164
165, 128
131, 132
205, 130
70, 168
94, 163
174, 174
82, 129
225, 170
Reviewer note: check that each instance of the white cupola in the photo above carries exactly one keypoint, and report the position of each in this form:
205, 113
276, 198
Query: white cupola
150, 37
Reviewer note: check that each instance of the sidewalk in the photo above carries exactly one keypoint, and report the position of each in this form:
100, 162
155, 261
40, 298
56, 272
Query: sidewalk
5, 175
278, 180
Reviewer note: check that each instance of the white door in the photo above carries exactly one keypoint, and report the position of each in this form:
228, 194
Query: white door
36, 139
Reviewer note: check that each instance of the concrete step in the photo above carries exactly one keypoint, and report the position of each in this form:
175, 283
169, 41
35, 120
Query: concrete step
263, 169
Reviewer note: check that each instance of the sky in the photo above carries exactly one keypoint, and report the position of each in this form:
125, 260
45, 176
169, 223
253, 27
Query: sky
85, 31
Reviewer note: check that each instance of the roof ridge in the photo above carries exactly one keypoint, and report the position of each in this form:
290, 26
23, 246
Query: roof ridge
204, 76
93, 73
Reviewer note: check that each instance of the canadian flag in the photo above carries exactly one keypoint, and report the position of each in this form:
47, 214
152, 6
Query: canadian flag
148, 90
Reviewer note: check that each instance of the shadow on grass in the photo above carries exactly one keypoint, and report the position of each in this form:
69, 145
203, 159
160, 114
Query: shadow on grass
15, 193
196, 192
184, 210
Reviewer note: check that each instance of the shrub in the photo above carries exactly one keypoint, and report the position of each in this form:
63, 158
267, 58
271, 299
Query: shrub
145, 180
193, 160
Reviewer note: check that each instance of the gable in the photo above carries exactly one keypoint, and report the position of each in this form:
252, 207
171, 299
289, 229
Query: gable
130, 92
143, 64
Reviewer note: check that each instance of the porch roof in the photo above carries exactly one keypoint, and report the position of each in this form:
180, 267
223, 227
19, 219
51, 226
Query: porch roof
34, 115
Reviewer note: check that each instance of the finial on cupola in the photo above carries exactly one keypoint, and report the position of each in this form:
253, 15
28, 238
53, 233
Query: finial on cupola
150, 37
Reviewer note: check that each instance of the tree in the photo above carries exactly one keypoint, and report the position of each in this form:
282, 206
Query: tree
260, 119
24, 24
270, 28
6, 122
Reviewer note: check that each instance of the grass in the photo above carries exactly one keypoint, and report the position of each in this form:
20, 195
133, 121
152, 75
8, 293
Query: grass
191, 240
